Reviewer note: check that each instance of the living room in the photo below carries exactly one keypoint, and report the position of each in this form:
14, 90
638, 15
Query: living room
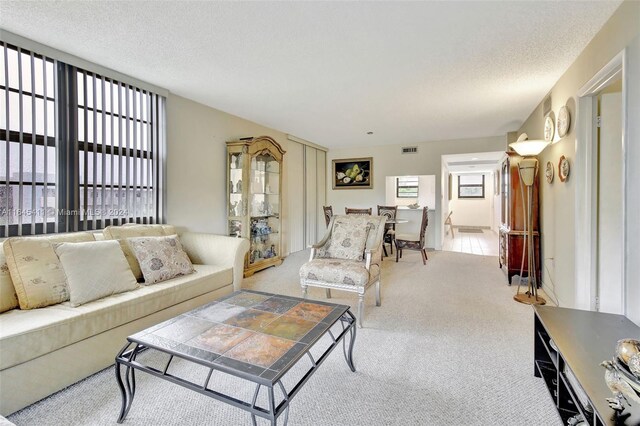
399, 87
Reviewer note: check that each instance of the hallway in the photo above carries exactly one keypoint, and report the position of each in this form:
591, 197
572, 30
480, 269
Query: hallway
485, 243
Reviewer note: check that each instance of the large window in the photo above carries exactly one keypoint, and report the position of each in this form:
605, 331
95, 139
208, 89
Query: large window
407, 187
78, 151
471, 186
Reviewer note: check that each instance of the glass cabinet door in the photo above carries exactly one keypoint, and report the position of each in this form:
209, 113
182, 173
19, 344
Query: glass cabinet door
236, 202
264, 208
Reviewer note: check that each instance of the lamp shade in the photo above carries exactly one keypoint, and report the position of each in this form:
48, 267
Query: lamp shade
529, 148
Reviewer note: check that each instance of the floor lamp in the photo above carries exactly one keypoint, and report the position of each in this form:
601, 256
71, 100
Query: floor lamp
528, 171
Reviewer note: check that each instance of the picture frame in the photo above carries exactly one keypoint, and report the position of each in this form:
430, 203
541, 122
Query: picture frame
353, 173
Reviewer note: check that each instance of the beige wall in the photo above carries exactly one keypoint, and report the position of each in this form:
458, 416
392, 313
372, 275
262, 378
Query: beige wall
196, 164
558, 209
389, 161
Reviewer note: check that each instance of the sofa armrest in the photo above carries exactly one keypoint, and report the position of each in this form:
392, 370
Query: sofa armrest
218, 250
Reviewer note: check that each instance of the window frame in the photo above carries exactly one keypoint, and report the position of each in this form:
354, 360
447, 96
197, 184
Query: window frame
404, 195
144, 192
477, 185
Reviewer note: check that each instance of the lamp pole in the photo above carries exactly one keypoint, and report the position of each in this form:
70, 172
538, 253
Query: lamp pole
528, 171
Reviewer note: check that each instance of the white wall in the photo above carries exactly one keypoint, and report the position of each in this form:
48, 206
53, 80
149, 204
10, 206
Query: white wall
196, 166
389, 161
426, 192
557, 200
632, 196
473, 212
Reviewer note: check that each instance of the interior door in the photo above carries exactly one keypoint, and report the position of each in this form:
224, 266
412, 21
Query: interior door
610, 288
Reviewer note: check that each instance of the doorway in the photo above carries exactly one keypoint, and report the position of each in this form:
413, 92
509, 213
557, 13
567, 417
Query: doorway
471, 203
600, 191
609, 236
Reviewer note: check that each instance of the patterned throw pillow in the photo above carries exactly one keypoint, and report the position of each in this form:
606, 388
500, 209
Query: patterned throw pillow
348, 237
37, 275
160, 258
94, 270
130, 230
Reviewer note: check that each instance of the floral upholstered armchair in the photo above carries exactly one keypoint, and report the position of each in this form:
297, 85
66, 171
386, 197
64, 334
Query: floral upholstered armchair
347, 258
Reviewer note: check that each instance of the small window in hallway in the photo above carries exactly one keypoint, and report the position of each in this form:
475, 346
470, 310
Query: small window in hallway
407, 187
471, 186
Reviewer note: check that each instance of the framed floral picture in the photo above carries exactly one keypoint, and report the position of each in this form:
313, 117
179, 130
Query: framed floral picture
353, 173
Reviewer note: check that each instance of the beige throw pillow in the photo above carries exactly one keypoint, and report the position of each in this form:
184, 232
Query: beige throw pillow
160, 258
95, 270
35, 269
8, 296
121, 233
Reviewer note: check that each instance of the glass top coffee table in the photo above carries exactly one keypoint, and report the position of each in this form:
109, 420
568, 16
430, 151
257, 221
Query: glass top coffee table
252, 335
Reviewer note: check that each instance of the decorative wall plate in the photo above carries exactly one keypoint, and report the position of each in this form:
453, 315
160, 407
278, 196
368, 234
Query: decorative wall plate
563, 168
549, 172
564, 121
549, 129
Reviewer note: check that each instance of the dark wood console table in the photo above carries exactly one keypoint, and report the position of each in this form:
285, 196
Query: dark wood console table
583, 340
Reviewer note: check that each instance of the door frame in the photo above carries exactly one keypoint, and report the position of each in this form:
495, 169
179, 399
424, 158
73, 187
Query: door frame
586, 200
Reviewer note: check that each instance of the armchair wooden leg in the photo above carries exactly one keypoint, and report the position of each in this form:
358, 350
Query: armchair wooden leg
328, 292
378, 293
384, 249
397, 254
424, 259
360, 309
425, 254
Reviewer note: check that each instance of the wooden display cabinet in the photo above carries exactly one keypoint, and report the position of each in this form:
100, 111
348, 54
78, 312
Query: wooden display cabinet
254, 199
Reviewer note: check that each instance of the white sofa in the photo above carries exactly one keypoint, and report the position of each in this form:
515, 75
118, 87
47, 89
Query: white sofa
45, 350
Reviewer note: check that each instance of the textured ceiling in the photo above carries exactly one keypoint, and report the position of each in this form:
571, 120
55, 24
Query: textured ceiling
329, 72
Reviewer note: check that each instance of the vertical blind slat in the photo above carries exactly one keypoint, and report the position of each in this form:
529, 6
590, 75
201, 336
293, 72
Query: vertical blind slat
55, 135
111, 171
85, 188
149, 162
8, 211
135, 149
45, 193
94, 160
127, 165
103, 192
21, 146
34, 161
121, 208
154, 149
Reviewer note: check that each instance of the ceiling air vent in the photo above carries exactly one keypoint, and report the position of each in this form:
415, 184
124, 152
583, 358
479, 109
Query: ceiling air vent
409, 149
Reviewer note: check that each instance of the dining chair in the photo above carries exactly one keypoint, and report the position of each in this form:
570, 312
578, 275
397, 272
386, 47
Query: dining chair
349, 210
414, 241
390, 213
328, 214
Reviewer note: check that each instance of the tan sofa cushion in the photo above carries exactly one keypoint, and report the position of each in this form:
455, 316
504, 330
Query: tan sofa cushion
37, 275
94, 270
25, 335
121, 233
8, 297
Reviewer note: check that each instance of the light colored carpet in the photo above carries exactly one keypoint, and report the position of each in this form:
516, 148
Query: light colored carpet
448, 346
